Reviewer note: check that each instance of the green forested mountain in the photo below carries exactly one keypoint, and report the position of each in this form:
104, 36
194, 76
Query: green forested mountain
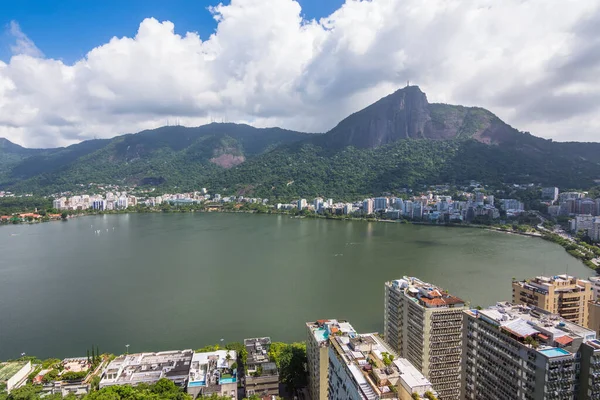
400, 141
172, 156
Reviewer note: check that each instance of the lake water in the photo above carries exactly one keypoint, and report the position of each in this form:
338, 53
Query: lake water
174, 281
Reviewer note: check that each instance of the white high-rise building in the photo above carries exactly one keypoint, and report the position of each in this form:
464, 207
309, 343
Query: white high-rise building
122, 202
301, 204
479, 196
99, 204
59, 204
380, 203
423, 323
318, 204
348, 208
550, 193
399, 205
408, 208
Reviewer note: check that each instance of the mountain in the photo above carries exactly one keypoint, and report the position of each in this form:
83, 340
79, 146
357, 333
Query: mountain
171, 155
406, 114
397, 142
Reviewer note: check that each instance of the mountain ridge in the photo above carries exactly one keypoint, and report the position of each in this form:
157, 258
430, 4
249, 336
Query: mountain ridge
453, 143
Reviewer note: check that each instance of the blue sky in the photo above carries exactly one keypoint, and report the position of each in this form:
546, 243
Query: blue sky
68, 29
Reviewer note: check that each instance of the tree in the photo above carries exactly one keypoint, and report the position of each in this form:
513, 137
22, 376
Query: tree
27, 392
430, 396
291, 361
64, 215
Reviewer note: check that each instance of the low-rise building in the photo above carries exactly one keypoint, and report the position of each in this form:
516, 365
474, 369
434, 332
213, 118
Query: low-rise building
213, 373
262, 376
14, 374
365, 367
133, 369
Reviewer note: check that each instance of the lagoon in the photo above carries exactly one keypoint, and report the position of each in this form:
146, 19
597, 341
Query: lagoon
175, 281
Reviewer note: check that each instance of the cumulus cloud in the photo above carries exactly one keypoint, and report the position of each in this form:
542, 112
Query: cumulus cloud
534, 63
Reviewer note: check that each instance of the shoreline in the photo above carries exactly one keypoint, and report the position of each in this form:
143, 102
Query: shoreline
535, 234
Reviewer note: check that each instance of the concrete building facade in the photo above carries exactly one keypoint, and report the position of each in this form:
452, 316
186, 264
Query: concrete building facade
262, 375
560, 294
513, 352
364, 367
423, 323
317, 353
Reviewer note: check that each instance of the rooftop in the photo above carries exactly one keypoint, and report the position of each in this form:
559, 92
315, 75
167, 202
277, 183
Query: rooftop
210, 368
147, 367
258, 350
9, 369
560, 283
426, 294
324, 328
366, 356
548, 330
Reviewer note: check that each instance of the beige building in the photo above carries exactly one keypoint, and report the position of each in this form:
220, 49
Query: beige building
594, 316
562, 294
423, 323
317, 352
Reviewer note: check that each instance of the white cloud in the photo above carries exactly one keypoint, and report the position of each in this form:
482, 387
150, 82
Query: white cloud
23, 45
534, 63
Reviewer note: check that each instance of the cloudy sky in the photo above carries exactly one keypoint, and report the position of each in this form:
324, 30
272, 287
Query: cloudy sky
90, 71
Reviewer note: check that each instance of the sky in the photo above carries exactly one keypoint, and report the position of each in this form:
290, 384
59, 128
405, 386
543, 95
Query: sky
76, 70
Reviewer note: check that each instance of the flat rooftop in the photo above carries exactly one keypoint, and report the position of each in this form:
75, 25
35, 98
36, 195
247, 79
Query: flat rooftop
550, 330
426, 294
356, 352
322, 329
258, 350
9, 369
209, 368
560, 283
147, 367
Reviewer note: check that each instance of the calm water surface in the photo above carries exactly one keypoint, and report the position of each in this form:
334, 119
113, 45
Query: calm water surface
173, 281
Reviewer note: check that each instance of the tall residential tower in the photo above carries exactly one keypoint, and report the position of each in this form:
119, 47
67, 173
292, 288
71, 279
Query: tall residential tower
423, 323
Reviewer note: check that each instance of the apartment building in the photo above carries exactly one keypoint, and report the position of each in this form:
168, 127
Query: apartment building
317, 352
561, 294
213, 373
589, 384
423, 323
133, 369
262, 375
364, 367
513, 352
